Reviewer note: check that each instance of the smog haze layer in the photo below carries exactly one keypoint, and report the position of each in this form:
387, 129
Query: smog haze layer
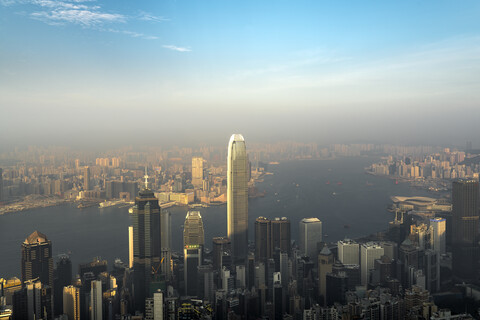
98, 73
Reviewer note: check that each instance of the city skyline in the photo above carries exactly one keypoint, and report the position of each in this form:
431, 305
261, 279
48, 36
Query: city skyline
77, 72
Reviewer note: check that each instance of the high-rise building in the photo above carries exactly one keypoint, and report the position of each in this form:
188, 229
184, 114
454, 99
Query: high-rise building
71, 302
86, 178
37, 261
439, 235
33, 301
348, 251
325, 264
96, 302
263, 244
369, 252
237, 197
166, 230
310, 236
193, 242
465, 201
130, 246
193, 232
197, 172
62, 278
147, 249
281, 235
154, 309
220, 246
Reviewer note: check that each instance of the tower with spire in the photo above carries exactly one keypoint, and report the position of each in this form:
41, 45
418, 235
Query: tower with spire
146, 243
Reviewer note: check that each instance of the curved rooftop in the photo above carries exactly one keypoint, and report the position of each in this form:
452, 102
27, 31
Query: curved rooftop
236, 137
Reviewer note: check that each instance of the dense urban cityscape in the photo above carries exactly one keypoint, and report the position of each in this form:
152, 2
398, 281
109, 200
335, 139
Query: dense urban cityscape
423, 265
239, 160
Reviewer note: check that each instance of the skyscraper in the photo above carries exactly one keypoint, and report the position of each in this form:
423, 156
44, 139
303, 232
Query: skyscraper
197, 172
130, 246
193, 242
325, 263
237, 197
147, 249
348, 251
96, 302
37, 261
193, 233
263, 244
310, 236
220, 246
369, 252
465, 201
166, 230
71, 302
439, 234
281, 236
86, 178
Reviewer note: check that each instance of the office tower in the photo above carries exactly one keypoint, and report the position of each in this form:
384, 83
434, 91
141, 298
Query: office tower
439, 234
284, 270
465, 201
336, 287
205, 283
310, 236
71, 302
240, 276
130, 246
351, 270
166, 230
33, 301
278, 297
325, 263
62, 278
37, 261
237, 197
369, 252
158, 310
193, 242
95, 267
193, 233
220, 245
154, 307
86, 178
263, 244
432, 270
147, 249
348, 251
96, 304
197, 172
281, 236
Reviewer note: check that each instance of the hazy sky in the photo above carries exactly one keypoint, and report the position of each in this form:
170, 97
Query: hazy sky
191, 71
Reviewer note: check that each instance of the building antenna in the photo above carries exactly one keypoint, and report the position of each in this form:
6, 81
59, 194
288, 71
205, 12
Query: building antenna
146, 178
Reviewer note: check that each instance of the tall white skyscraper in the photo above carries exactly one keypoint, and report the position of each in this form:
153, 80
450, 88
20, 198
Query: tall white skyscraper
348, 251
310, 231
130, 247
237, 197
369, 252
438, 237
96, 312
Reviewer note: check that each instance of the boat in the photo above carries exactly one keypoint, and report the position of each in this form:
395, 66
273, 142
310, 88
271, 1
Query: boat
339, 183
328, 182
346, 226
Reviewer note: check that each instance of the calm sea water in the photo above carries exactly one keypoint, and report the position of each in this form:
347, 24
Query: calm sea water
297, 189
